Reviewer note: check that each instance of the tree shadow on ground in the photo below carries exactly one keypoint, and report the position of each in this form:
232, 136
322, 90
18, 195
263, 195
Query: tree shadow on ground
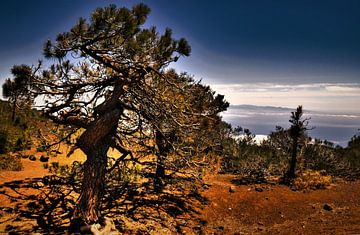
45, 205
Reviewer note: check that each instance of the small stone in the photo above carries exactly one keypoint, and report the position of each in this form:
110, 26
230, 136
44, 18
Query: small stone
32, 158
39, 184
44, 159
232, 189
259, 190
260, 223
293, 188
327, 207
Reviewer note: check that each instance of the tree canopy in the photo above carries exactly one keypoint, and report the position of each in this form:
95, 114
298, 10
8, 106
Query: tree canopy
110, 78
17, 90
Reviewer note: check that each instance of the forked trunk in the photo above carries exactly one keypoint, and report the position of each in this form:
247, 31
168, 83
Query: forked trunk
94, 142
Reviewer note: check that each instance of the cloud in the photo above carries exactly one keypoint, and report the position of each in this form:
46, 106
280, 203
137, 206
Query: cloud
270, 87
337, 88
342, 97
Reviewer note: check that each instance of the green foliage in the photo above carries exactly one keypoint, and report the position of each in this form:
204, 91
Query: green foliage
257, 162
42, 147
352, 152
20, 144
23, 131
123, 172
321, 157
17, 90
10, 163
72, 173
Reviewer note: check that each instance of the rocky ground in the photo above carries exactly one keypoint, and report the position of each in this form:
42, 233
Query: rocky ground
226, 209
275, 209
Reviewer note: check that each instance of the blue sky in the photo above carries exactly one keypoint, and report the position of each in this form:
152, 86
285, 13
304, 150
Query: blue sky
277, 53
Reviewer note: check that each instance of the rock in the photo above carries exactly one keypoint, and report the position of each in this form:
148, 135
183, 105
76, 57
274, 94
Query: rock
206, 186
44, 159
259, 190
39, 184
32, 158
293, 188
232, 189
327, 207
220, 227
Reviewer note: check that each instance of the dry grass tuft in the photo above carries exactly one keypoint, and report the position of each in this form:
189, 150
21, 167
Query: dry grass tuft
313, 180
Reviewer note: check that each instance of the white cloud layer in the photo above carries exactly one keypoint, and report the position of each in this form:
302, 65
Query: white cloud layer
334, 97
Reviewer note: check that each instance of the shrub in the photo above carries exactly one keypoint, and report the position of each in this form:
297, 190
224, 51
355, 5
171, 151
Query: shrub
3, 141
352, 152
20, 144
10, 163
312, 180
42, 147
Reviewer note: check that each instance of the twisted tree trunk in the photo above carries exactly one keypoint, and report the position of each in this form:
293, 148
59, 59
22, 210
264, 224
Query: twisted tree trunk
163, 150
92, 189
95, 143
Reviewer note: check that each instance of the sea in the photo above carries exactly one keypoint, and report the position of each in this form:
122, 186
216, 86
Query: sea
336, 127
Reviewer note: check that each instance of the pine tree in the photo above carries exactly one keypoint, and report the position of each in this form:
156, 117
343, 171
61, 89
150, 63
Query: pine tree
111, 79
297, 130
17, 90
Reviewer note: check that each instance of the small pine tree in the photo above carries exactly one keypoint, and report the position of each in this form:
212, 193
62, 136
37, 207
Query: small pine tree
17, 89
298, 128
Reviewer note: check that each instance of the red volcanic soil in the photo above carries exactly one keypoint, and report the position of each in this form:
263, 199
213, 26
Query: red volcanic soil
278, 210
248, 209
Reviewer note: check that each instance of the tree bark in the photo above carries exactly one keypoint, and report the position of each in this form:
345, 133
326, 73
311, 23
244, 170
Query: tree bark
95, 142
159, 174
293, 159
93, 185
163, 150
